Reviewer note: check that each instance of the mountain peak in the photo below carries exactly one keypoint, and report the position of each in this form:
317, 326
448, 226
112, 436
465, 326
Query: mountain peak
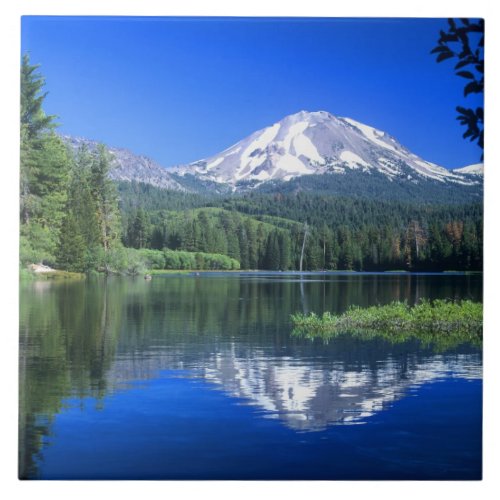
315, 142
308, 116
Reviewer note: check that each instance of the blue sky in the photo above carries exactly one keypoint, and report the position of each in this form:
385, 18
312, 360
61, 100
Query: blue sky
180, 89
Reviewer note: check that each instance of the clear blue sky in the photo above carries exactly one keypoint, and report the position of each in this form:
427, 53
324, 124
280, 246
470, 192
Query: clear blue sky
181, 89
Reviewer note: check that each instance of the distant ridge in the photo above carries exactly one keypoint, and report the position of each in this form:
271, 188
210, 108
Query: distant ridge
477, 169
127, 166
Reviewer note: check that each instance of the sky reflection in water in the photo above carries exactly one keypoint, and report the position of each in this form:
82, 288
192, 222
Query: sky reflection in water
111, 370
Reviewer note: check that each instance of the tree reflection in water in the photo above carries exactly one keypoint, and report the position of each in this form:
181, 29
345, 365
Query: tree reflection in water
89, 338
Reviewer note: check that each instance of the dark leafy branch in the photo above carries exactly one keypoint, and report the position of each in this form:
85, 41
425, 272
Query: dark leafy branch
464, 41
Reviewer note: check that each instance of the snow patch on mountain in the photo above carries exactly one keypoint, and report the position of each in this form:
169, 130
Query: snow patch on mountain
476, 169
372, 134
292, 165
353, 160
303, 146
259, 144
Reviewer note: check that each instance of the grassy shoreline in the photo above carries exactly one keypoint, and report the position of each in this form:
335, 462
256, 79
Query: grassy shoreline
55, 275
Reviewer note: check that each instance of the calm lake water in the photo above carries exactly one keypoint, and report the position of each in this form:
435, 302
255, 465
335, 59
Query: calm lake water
198, 377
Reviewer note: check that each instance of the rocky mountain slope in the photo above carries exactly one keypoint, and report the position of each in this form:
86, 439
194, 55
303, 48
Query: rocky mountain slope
127, 166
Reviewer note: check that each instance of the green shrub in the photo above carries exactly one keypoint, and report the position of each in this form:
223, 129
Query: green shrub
175, 259
153, 259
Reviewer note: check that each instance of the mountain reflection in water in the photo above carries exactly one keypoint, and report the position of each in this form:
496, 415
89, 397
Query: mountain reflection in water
90, 339
309, 394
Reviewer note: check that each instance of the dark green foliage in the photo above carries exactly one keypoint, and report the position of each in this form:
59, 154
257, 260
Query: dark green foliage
374, 186
213, 231
464, 41
250, 227
368, 235
285, 250
71, 251
271, 258
139, 231
152, 199
344, 233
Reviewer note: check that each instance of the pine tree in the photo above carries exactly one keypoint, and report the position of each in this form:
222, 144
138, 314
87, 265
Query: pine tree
106, 200
243, 244
346, 257
139, 230
71, 251
313, 255
285, 251
332, 250
34, 121
44, 169
253, 249
159, 237
27, 178
220, 242
272, 254
188, 241
204, 229
80, 223
80, 198
229, 226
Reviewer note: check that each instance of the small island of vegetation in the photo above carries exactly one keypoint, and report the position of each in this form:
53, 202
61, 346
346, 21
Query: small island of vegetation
443, 323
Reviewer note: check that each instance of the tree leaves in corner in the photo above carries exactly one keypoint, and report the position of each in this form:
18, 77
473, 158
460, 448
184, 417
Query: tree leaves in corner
465, 41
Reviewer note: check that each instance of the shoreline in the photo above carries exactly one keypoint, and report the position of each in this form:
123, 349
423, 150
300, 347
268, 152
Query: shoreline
59, 275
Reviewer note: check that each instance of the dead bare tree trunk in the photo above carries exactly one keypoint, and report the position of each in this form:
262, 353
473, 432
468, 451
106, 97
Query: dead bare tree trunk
303, 246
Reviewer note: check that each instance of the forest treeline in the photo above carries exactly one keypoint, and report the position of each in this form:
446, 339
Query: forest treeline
350, 237
73, 217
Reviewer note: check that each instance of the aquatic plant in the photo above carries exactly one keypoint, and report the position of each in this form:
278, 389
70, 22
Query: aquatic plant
443, 323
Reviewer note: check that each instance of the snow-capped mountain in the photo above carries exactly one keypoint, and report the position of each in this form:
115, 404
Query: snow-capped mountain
309, 143
315, 152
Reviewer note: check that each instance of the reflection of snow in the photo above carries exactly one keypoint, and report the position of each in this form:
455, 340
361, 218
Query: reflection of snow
303, 393
310, 398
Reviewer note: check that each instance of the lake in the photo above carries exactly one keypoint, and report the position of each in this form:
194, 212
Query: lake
198, 377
